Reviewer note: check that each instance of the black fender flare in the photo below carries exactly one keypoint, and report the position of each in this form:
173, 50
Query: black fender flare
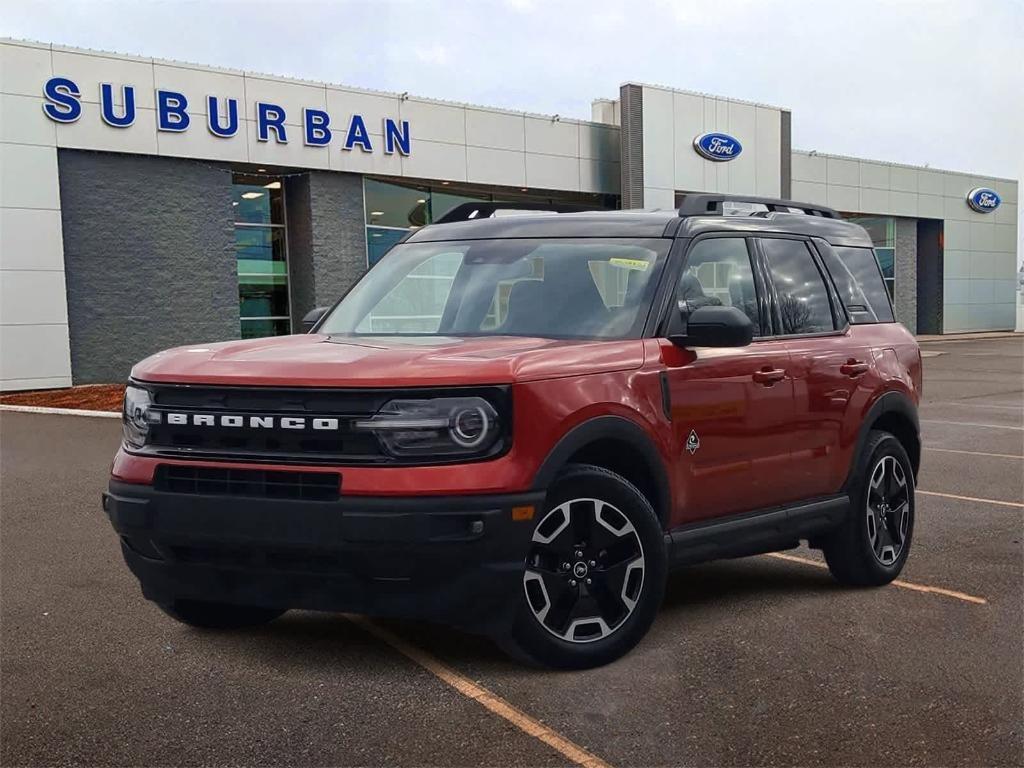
889, 402
615, 428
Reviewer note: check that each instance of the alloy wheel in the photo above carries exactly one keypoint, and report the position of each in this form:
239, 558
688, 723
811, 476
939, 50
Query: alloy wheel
887, 513
585, 570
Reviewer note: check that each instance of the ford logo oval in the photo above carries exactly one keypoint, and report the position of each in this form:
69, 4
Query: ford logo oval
717, 146
983, 199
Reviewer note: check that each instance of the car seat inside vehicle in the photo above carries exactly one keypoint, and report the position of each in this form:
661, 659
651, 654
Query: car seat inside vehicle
565, 303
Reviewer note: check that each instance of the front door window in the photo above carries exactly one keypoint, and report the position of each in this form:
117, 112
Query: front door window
718, 273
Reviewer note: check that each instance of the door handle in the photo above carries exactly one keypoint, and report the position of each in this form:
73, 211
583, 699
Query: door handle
769, 376
853, 368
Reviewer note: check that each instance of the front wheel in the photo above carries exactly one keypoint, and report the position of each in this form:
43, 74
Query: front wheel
198, 613
871, 548
594, 575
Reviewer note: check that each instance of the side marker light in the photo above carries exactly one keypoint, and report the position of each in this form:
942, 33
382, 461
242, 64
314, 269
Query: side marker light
520, 514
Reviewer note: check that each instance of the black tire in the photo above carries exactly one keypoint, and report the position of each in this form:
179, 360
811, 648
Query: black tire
629, 566
197, 613
852, 553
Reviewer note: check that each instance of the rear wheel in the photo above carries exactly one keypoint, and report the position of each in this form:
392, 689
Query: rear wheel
594, 575
198, 613
871, 548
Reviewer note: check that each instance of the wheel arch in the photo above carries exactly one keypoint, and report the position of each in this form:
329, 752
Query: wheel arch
617, 444
895, 413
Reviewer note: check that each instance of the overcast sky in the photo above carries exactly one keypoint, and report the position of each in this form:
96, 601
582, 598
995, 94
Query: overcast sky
937, 82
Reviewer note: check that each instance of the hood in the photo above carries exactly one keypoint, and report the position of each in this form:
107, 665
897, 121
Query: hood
333, 361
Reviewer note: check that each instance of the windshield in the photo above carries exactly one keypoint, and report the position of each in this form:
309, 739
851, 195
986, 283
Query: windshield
581, 288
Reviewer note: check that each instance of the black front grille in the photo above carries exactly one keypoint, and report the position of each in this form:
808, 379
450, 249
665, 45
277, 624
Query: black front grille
256, 483
248, 423
343, 445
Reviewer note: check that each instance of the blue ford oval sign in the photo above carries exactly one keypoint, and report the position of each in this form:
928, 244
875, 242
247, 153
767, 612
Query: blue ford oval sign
983, 199
717, 146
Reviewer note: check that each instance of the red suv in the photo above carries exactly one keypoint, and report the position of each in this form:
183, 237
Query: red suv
519, 424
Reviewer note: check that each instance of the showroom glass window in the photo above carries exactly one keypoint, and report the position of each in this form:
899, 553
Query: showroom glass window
882, 230
262, 258
392, 209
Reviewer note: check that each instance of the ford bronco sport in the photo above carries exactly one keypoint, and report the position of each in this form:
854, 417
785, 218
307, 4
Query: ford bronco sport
519, 424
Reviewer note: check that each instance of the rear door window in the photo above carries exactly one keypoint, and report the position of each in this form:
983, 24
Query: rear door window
857, 276
803, 302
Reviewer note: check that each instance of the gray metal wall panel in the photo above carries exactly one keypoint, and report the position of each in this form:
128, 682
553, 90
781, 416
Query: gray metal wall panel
632, 146
786, 169
930, 270
299, 222
905, 302
338, 247
149, 257
326, 238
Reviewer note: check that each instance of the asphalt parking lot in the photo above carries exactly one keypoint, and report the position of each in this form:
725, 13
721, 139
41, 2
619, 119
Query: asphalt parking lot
762, 661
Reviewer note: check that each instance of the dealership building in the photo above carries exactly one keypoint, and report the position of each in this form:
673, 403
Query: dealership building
147, 203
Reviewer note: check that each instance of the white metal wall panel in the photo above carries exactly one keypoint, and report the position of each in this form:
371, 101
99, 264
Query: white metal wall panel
552, 172
462, 128
767, 153
34, 350
672, 119
659, 140
495, 130
980, 249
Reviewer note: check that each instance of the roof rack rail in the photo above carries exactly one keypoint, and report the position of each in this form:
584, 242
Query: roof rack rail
484, 210
712, 205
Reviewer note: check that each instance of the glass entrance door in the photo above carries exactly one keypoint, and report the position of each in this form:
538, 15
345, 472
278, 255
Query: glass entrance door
262, 255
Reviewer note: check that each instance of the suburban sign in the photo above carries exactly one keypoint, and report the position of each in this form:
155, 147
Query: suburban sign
63, 105
717, 146
983, 199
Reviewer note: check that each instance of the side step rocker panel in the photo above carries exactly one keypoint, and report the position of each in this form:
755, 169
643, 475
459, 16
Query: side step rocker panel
753, 533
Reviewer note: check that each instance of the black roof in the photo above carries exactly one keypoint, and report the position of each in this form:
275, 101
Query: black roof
586, 224
834, 231
698, 214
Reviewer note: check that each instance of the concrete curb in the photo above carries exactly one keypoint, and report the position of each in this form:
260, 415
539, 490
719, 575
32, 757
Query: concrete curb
60, 411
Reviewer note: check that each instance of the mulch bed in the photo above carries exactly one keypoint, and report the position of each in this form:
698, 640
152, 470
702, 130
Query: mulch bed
91, 397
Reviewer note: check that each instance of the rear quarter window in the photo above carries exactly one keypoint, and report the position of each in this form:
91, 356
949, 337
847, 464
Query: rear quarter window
858, 279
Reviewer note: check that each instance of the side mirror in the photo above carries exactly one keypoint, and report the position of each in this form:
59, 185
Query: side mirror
711, 326
312, 318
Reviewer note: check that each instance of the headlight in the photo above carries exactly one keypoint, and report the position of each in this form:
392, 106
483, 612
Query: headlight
441, 426
136, 416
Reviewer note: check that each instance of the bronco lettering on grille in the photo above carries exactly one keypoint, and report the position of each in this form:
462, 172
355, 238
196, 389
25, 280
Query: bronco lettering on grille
253, 422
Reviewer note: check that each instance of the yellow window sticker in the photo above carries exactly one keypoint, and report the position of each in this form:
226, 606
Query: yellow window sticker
630, 263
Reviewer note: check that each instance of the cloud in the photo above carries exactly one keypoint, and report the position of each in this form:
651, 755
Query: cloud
521, 6
434, 54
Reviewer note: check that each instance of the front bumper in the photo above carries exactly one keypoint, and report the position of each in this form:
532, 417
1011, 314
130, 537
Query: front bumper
456, 560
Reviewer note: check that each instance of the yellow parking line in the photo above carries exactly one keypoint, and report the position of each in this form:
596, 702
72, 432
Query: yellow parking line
971, 498
897, 583
985, 425
988, 406
494, 703
977, 453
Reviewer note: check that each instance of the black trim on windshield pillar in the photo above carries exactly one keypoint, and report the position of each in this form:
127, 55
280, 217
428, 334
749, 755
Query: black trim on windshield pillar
664, 294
